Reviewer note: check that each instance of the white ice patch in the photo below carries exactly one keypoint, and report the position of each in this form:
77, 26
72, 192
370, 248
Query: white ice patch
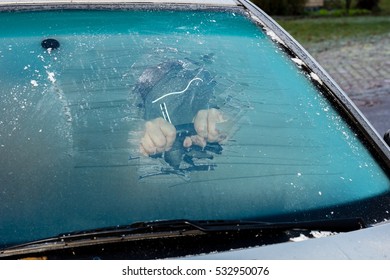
146, 76
319, 234
315, 77
315, 234
298, 61
300, 238
50, 76
255, 18
275, 37
34, 83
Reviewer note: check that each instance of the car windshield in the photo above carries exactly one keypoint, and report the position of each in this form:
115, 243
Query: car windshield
78, 86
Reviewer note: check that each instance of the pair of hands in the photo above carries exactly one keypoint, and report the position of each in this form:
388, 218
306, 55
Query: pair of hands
160, 135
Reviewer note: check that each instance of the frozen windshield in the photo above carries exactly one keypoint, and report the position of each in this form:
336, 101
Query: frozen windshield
73, 112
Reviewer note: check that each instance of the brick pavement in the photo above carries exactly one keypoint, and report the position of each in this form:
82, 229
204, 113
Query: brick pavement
362, 69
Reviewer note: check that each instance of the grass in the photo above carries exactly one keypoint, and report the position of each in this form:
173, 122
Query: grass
315, 30
385, 6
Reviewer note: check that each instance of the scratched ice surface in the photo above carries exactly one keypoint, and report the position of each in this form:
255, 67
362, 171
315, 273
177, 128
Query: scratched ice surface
70, 125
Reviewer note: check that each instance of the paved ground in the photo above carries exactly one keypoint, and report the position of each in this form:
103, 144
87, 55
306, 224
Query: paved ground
362, 69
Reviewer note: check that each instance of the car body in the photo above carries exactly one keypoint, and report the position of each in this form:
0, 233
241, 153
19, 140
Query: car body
299, 160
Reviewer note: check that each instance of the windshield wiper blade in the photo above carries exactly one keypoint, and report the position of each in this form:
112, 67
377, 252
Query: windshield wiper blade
175, 228
336, 225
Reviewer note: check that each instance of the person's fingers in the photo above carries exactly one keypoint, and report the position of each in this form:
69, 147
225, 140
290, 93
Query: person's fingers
214, 116
147, 146
169, 132
187, 142
155, 134
205, 123
159, 137
200, 123
198, 140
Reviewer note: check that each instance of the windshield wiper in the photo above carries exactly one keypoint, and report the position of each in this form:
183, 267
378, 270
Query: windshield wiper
142, 231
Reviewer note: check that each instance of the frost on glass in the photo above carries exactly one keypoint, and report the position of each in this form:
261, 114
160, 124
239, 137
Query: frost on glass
70, 124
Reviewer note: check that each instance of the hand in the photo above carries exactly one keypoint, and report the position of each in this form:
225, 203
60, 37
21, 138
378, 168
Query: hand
159, 137
205, 124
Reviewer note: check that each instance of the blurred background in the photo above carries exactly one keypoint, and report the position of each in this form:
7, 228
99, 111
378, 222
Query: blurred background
351, 41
